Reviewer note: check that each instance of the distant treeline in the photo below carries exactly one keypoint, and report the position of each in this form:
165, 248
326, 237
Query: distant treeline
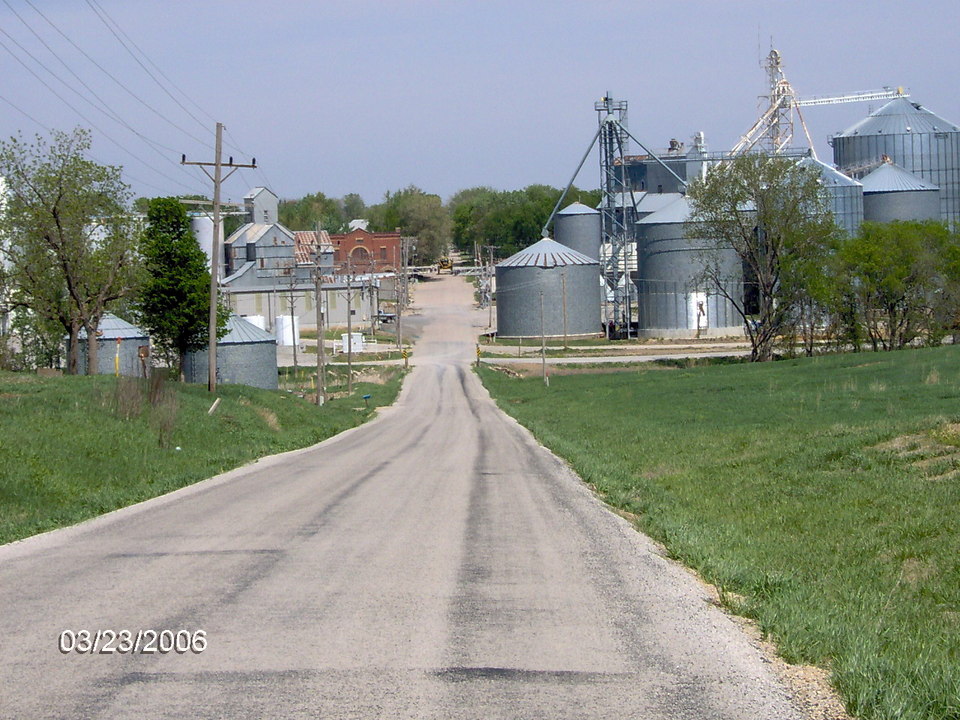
507, 219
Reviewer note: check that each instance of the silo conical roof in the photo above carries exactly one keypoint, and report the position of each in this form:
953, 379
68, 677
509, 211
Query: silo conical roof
240, 331
900, 116
829, 175
677, 211
111, 327
547, 254
653, 202
578, 209
890, 177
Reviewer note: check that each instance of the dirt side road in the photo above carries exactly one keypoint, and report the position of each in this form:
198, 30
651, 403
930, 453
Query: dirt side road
436, 563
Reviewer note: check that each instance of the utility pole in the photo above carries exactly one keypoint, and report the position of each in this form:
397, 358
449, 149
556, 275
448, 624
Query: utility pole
218, 177
293, 324
490, 273
321, 331
543, 344
399, 292
373, 315
349, 326
563, 280
402, 290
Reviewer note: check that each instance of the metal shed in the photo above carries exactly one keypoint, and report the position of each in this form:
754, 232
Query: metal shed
111, 330
578, 227
570, 285
671, 303
891, 193
912, 137
246, 355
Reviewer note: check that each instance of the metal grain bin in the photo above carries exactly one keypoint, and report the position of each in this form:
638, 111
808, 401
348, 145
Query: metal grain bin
891, 193
110, 330
246, 355
578, 227
845, 195
569, 281
915, 139
671, 302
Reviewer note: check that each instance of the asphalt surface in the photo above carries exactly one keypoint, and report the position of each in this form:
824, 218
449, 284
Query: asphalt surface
435, 563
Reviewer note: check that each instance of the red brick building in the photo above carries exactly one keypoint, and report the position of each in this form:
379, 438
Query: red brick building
368, 251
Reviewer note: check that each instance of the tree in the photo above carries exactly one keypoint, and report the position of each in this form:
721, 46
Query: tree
415, 213
353, 207
771, 212
902, 277
468, 210
312, 212
174, 301
511, 220
71, 244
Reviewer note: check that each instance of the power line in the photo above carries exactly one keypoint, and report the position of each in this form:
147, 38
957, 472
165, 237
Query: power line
88, 155
104, 17
72, 107
100, 13
260, 171
115, 28
85, 118
106, 108
132, 94
159, 70
24, 112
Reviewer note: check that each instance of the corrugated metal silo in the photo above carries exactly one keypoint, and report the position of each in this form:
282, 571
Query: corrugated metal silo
845, 195
891, 193
569, 281
578, 227
914, 138
671, 302
246, 355
111, 329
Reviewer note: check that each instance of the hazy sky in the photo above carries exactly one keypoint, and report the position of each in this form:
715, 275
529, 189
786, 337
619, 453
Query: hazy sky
367, 96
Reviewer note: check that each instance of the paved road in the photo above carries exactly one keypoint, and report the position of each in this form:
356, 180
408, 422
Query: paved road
435, 563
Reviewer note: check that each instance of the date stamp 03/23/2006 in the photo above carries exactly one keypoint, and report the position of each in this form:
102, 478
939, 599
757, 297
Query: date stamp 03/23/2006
140, 642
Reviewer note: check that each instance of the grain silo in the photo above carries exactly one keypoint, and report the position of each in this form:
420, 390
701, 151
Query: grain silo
672, 302
116, 338
578, 227
202, 227
567, 281
891, 193
246, 355
844, 195
912, 137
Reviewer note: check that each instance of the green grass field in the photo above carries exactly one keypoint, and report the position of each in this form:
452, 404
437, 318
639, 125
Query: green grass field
822, 498
76, 447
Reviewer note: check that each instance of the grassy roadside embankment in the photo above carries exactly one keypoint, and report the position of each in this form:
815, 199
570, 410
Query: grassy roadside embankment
76, 447
822, 498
